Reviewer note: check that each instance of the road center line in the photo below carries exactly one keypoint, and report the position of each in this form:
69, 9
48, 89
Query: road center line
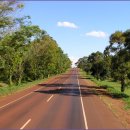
50, 98
25, 124
84, 115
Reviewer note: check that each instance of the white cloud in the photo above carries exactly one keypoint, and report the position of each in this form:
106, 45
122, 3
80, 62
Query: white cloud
98, 34
67, 24
74, 60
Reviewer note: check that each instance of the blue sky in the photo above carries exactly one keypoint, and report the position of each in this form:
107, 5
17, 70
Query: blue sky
80, 27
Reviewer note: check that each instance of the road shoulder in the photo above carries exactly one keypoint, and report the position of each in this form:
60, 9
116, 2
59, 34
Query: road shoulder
116, 106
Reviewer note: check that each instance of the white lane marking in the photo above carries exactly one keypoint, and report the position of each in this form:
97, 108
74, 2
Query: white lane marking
20, 98
15, 100
84, 115
25, 124
50, 98
37, 89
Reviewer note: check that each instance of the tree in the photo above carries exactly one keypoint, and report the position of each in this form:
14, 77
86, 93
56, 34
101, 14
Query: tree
45, 58
118, 49
83, 64
98, 69
26, 52
7, 20
94, 64
15, 47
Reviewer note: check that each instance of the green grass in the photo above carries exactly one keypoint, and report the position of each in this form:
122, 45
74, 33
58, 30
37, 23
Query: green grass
8, 90
113, 88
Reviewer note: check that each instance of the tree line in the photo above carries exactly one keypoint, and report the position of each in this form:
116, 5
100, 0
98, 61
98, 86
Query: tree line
27, 52
113, 63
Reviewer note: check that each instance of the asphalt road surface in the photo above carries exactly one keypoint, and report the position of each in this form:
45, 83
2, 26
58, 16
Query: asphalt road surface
65, 102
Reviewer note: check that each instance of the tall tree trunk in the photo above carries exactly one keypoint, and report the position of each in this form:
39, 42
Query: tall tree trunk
122, 85
20, 74
10, 80
20, 79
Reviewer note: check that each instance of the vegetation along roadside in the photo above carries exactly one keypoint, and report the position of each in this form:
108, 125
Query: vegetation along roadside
111, 88
27, 52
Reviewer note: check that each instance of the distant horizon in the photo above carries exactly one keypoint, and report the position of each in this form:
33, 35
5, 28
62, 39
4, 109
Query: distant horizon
79, 27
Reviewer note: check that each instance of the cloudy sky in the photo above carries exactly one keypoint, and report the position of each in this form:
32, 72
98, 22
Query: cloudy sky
80, 28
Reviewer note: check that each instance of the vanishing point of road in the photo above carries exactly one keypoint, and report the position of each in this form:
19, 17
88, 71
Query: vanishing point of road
63, 102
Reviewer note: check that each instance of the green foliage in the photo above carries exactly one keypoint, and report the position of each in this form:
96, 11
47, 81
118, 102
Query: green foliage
7, 90
113, 63
95, 65
112, 88
119, 48
7, 19
27, 53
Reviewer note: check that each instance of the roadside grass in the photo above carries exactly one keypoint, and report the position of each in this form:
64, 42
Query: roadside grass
8, 90
113, 88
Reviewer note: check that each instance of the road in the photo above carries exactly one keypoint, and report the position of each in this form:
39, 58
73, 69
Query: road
65, 102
